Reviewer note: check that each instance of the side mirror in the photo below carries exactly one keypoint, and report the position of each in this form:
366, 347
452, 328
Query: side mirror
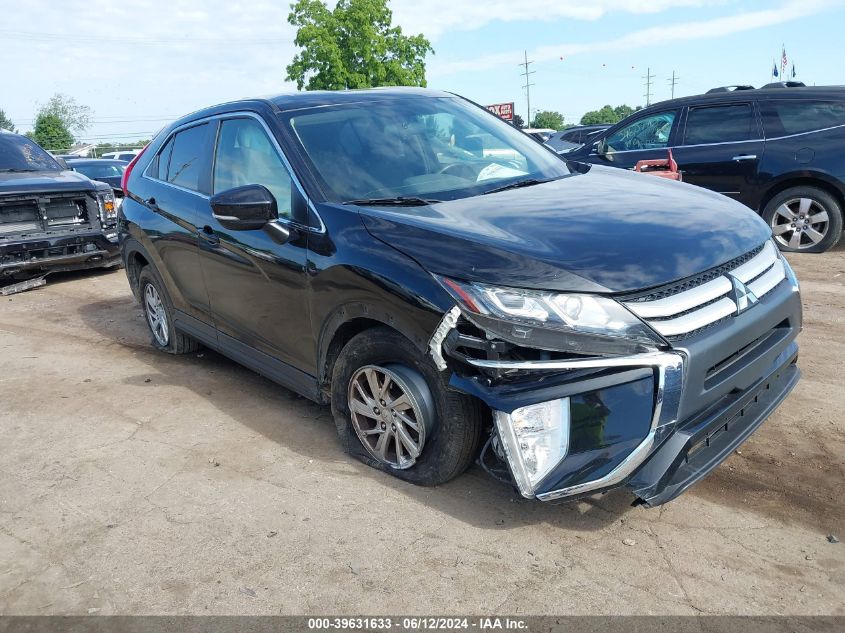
244, 208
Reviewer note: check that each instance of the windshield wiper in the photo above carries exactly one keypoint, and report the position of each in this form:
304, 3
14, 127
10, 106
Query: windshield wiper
528, 182
15, 169
399, 201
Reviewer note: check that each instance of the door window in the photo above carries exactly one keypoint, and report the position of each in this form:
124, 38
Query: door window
186, 159
720, 124
247, 156
795, 117
650, 132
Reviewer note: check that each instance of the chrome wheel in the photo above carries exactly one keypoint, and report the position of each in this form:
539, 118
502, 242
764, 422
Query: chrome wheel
156, 315
389, 413
800, 223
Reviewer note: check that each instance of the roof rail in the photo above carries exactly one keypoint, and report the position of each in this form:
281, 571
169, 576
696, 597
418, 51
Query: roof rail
784, 84
729, 89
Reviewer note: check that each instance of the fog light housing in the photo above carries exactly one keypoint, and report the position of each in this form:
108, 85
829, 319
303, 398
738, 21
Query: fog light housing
535, 439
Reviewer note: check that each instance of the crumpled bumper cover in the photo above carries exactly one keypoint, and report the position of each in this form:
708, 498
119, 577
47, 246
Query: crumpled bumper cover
53, 253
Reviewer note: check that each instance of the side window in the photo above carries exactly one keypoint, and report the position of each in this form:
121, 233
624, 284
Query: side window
186, 158
247, 156
162, 161
650, 132
795, 117
720, 124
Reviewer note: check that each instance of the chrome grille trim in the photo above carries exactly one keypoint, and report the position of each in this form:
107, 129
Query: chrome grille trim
691, 310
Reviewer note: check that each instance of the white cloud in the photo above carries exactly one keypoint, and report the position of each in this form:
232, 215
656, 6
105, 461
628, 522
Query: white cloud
435, 17
664, 34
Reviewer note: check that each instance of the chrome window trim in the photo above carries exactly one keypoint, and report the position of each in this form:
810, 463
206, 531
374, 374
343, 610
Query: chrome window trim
670, 377
239, 114
755, 140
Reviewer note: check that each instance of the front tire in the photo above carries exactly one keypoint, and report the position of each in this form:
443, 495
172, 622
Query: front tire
158, 314
394, 411
804, 220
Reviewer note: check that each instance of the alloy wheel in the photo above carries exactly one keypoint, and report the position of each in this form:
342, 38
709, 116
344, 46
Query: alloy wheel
800, 223
156, 315
388, 415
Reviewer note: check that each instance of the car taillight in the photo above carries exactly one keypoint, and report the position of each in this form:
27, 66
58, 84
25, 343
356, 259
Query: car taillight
125, 179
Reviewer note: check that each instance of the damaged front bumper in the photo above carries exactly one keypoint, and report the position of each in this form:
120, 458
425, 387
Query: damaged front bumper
653, 422
79, 250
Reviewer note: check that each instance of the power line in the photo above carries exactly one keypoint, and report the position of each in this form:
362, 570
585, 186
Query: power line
672, 82
527, 86
648, 81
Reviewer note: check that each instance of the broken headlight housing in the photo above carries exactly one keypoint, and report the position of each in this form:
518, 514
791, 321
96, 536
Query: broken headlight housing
571, 322
108, 207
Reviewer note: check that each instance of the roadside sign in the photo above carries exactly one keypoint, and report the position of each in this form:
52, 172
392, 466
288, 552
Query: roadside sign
502, 110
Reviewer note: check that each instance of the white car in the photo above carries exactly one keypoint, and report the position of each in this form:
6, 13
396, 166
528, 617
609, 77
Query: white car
125, 154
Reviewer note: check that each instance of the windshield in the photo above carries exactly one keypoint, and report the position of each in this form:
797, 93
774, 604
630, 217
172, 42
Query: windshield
436, 148
96, 171
18, 153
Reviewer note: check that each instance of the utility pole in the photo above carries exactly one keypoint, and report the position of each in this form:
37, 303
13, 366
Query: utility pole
527, 86
648, 81
672, 82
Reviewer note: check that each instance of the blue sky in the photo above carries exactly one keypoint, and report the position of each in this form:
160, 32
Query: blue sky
140, 64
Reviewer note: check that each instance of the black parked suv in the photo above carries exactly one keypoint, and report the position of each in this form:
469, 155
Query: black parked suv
777, 149
51, 219
580, 330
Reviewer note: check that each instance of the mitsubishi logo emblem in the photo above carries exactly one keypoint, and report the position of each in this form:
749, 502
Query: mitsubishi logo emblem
742, 295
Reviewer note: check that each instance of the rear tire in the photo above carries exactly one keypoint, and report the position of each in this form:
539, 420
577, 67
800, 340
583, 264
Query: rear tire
158, 314
452, 421
804, 220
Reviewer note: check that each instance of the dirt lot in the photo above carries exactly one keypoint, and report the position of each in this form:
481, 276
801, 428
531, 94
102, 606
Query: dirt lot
136, 482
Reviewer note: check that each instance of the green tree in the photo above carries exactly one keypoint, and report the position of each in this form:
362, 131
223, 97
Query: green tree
353, 46
6, 122
51, 133
548, 119
518, 121
608, 114
74, 116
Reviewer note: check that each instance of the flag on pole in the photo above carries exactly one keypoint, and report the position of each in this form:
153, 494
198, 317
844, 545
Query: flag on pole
774, 69
793, 70
783, 61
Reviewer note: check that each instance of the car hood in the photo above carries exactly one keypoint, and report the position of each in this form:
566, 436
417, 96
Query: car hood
606, 230
23, 182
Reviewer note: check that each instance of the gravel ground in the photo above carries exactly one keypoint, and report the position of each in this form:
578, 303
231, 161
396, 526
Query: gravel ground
133, 482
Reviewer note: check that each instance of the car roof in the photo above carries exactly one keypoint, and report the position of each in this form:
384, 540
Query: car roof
313, 98
94, 161
744, 94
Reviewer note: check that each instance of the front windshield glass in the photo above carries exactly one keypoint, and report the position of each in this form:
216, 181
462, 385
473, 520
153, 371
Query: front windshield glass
434, 148
18, 153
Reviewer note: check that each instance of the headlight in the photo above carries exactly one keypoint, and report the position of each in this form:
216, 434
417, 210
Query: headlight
592, 324
108, 208
536, 439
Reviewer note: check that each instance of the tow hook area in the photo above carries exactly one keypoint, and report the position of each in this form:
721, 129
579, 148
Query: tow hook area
435, 345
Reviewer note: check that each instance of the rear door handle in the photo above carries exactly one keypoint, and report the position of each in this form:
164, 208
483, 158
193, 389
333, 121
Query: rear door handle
743, 157
207, 233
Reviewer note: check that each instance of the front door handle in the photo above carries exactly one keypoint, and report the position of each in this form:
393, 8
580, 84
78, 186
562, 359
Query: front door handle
743, 157
207, 233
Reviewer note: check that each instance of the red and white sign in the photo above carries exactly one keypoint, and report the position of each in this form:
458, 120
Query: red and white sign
502, 110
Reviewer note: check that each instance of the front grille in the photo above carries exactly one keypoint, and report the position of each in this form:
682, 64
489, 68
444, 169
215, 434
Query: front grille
24, 215
687, 307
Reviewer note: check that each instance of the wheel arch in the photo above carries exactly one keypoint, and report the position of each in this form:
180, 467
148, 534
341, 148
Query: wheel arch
804, 179
134, 259
349, 320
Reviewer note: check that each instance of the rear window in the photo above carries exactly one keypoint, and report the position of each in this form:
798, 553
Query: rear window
186, 158
795, 117
18, 153
100, 171
126, 157
720, 124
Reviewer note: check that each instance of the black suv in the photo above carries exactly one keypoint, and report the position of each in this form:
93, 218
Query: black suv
579, 330
777, 149
51, 219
